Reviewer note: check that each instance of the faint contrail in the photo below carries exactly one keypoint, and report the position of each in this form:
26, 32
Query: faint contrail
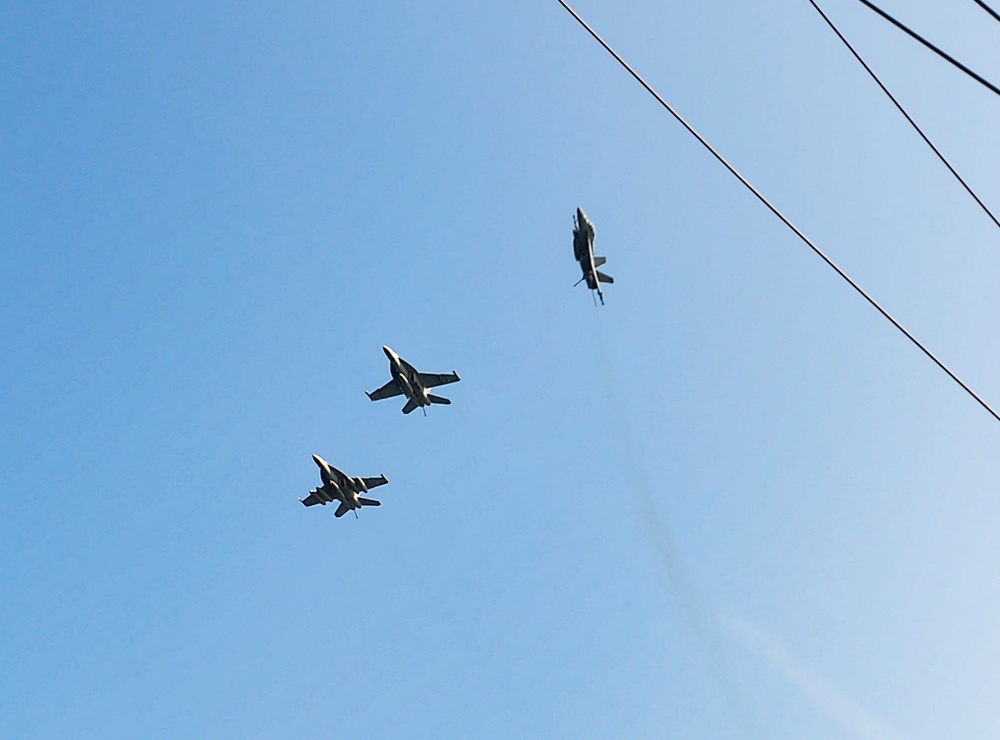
700, 618
821, 693
693, 610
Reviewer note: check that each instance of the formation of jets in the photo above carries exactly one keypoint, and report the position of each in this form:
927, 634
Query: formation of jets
407, 381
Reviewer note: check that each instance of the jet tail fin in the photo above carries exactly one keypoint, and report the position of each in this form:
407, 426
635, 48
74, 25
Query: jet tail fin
598, 261
369, 502
604, 278
438, 399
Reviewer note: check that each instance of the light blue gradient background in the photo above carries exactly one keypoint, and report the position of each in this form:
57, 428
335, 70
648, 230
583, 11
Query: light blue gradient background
734, 502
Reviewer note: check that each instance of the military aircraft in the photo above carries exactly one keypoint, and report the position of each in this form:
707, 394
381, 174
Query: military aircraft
406, 380
339, 487
583, 249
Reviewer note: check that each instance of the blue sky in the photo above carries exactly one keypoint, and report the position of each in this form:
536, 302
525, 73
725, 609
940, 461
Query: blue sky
733, 502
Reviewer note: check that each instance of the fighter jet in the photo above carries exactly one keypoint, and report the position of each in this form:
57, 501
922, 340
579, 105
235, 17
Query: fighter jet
339, 487
583, 249
406, 380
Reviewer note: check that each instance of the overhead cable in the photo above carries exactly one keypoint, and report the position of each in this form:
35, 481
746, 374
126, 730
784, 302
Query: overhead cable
931, 46
988, 9
784, 219
903, 111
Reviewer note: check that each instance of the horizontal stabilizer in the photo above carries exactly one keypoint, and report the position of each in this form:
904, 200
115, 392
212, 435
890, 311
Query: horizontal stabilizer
438, 399
369, 502
341, 510
410, 406
604, 278
598, 261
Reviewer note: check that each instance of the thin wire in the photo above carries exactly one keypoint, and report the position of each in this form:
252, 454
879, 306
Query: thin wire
784, 219
931, 46
905, 114
987, 8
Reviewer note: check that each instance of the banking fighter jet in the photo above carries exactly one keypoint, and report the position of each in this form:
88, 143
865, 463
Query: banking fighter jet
407, 381
339, 487
583, 249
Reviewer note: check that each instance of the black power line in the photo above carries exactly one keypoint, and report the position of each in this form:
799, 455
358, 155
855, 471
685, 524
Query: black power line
905, 114
931, 46
987, 8
784, 219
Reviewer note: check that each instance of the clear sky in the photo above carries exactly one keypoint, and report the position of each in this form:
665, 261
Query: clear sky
731, 503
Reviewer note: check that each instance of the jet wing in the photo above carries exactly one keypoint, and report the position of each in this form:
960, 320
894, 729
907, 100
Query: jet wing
388, 390
375, 482
433, 380
312, 499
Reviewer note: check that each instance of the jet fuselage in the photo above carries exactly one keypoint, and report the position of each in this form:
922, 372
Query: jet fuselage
347, 493
583, 249
409, 382
583, 240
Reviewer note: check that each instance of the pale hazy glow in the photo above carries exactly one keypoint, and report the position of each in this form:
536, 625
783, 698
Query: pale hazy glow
811, 685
